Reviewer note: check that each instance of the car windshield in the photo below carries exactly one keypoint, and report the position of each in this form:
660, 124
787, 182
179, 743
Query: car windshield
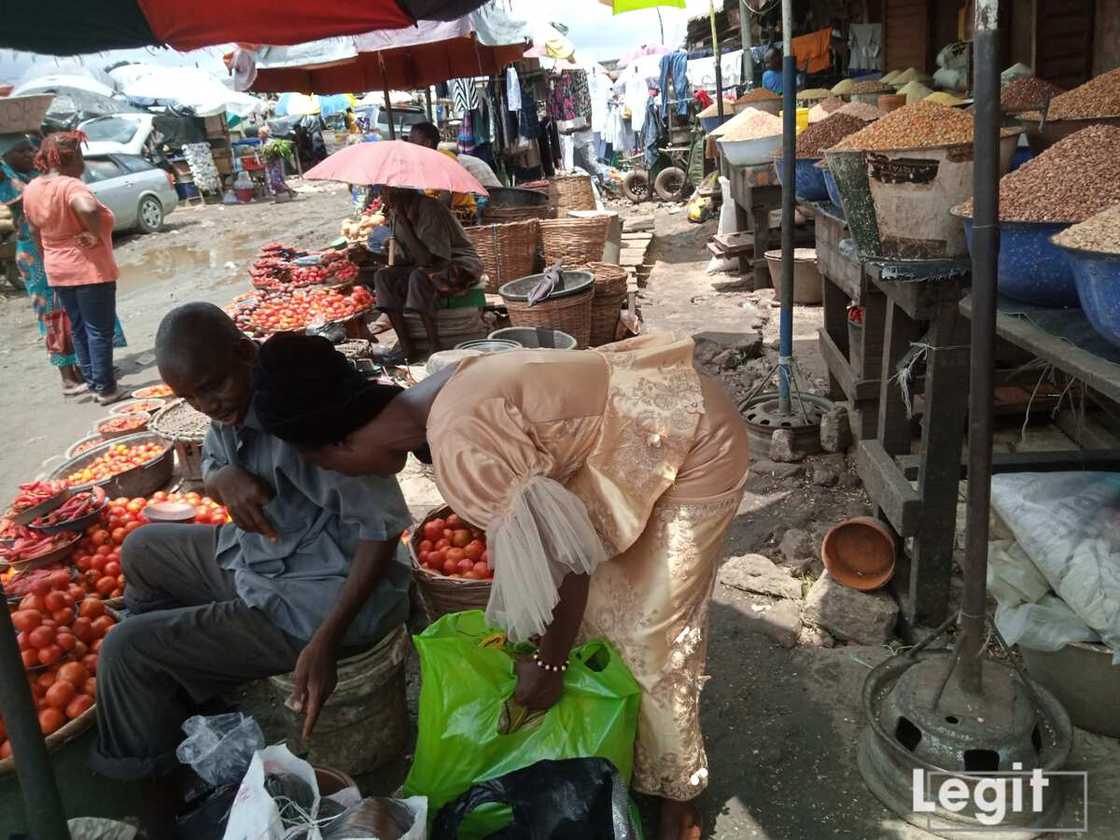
111, 129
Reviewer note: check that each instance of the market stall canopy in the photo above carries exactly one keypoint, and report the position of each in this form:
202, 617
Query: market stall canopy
183, 87
71, 106
70, 81
620, 6
297, 105
395, 163
479, 44
64, 27
376, 99
336, 103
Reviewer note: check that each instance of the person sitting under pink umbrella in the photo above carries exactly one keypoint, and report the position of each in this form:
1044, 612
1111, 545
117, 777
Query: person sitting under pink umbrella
439, 260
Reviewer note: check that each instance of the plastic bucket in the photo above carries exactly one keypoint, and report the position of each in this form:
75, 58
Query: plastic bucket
806, 278
364, 724
1031, 268
801, 118
535, 338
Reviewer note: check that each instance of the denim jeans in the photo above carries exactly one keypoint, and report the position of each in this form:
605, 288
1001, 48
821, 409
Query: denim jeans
92, 310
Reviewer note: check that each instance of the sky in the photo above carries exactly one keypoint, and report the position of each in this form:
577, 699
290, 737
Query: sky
596, 32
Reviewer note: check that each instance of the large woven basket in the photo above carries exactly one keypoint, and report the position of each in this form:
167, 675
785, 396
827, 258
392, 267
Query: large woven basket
504, 215
571, 192
516, 204
567, 312
439, 594
606, 308
574, 242
507, 251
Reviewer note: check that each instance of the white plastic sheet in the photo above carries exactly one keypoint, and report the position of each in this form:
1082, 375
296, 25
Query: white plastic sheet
1068, 525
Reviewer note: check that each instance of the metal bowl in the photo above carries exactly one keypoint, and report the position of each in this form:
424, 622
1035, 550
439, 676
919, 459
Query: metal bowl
35, 511
138, 481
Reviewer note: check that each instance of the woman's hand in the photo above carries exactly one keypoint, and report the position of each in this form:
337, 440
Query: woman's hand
536, 687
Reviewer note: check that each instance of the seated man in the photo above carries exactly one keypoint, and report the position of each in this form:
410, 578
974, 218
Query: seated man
438, 258
306, 573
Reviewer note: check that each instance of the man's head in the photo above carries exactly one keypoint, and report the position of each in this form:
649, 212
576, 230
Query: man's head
399, 198
424, 134
206, 360
20, 155
773, 59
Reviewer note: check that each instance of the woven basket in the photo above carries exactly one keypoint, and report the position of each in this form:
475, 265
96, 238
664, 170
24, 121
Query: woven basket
439, 594
504, 215
610, 293
571, 314
574, 242
571, 192
455, 326
507, 251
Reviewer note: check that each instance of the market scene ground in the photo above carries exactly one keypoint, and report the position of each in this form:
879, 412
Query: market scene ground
492, 419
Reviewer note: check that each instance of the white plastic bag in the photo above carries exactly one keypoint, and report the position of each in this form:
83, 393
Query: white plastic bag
255, 815
219, 748
727, 224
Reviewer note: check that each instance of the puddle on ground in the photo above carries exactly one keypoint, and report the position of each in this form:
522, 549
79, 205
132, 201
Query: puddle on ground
158, 264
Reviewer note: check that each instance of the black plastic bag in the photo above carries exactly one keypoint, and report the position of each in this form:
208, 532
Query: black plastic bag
572, 799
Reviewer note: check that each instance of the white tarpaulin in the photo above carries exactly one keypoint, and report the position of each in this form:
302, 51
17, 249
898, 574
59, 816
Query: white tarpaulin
183, 87
702, 71
1068, 525
54, 81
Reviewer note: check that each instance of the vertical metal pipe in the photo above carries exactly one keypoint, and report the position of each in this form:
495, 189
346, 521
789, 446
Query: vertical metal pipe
428, 103
745, 41
985, 253
716, 55
789, 162
46, 820
389, 114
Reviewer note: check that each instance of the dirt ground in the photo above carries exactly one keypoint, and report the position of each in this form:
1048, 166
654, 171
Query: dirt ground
781, 724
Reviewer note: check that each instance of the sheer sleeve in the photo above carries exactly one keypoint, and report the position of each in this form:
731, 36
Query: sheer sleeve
492, 473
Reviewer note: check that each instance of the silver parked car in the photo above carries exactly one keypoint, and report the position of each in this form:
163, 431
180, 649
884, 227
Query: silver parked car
139, 194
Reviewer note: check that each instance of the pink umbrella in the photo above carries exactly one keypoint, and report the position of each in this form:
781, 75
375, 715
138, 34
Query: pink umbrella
395, 163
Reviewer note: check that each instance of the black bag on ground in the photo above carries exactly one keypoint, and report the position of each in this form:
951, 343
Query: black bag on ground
572, 799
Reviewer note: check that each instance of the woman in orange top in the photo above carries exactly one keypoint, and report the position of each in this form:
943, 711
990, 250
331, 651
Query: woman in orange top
75, 232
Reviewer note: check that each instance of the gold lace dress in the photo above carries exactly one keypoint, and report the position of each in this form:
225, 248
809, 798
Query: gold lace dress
622, 463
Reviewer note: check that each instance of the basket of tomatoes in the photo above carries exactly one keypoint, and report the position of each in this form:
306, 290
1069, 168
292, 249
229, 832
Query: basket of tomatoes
121, 425
134, 465
60, 628
450, 563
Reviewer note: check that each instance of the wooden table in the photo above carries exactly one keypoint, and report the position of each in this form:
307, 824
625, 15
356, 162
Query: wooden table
756, 193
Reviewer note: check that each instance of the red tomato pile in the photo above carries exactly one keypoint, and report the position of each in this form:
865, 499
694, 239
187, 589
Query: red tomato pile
116, 460
60, 631
158, 391
149, 405
295, 311
454, 548
271, 269
134, 421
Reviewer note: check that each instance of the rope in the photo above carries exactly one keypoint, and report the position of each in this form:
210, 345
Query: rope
904, 371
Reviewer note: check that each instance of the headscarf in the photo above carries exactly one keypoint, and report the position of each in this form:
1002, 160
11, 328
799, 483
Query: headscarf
58, 149
307, 393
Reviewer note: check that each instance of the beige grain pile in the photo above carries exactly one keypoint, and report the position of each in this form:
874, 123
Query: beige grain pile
863, 110
751, 124
919, 125
1098, 97
1028, 94
1099, 233
889, 77
914, 92
813, 94
713, 109
910, 74
757, 94
870, 86
943, 98
843, 87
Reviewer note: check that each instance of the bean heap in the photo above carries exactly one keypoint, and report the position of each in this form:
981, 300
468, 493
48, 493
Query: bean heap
1099, 97
870, 86
181, 422
813, 94
1098, 233
750, 124
826, 133
1074, 179
918, 125
758, 94
1027, 94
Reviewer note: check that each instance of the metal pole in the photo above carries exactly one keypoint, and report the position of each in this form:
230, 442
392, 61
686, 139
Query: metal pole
389, 115
745, 41
789, 162
46, 819
428, 103
715, 53
985, 253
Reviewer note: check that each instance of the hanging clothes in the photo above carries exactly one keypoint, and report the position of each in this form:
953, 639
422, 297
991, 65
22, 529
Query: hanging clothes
813, 52
513, 89
651, 130
635, 94
569, 100
600, 84
464, 93
674, 73
864, 46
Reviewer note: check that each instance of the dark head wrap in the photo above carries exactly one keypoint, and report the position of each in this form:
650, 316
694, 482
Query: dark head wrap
307, 393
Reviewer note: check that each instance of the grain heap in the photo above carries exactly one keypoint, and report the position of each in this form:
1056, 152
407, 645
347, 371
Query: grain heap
889, 77
1099, 97
943, 98
813, 94
713, 109
843, 87
910, 74
1074, 179
758, 94
869, 86
751, 124
822, 109
863, 110
914, 92
1028, 94
920, 125
812, 142
1100, 233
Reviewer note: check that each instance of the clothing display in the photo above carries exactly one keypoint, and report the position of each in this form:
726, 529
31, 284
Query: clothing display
865, 46
633, 477
651, 132
600, 84
813, 52
464, 93
702, 71
674, 74
634, 96
513, 89
569, 100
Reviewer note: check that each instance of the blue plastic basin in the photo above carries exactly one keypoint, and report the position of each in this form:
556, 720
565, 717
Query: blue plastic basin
808, 180
833, 190
712, 123
1031, 268
1097, 277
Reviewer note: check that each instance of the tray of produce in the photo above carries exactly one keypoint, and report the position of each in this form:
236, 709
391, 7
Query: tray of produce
36, 498
150, 405
450, 563
33, 549
84, 445
136, 465
271, 312
178, 421
159, 391
75, 514
120, 425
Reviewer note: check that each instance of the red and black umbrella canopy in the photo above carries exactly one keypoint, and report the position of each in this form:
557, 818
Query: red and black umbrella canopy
66, 27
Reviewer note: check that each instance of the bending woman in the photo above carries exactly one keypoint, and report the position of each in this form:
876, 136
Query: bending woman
605, 480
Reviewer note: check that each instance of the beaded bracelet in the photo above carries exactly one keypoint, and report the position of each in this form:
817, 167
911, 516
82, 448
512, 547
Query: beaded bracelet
556, 669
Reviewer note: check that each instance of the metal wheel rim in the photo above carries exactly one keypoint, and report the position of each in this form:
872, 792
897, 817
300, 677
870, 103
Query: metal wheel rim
151, 213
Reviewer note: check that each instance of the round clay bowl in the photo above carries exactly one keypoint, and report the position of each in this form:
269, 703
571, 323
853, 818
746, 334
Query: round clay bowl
859, 553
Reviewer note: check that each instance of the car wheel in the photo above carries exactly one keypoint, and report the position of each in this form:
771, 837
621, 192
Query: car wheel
635, 186
670, 184
149, 216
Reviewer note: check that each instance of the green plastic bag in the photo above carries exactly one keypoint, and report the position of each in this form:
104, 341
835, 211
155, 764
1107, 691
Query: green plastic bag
468, 732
